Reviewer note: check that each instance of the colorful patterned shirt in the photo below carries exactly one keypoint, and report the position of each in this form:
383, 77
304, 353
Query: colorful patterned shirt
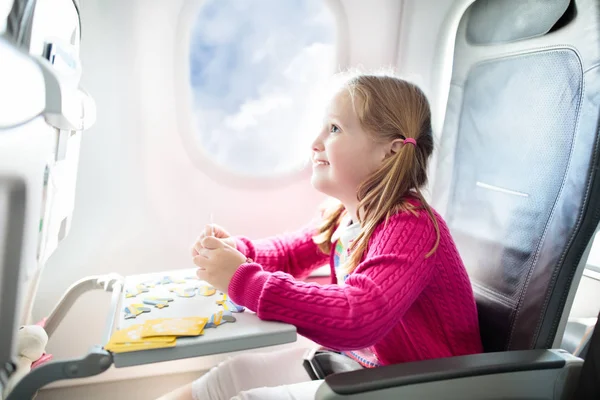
342, 241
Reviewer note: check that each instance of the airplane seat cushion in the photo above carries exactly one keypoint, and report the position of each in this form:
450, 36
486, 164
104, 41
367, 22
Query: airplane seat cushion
515, 159
493, 22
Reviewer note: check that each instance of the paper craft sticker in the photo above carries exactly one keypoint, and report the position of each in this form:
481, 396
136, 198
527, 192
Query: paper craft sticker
205, 290
234, 307
138, 346
223, 299
169, 279
220, 318
187, 326
163, 299
133, 310
228, 318
134, 334
215, 320
141, 288
156, 303
184, 292
229, 305
130, 339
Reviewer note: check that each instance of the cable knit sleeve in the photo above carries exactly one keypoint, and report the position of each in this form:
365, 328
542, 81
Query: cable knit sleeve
293, 253
356, 315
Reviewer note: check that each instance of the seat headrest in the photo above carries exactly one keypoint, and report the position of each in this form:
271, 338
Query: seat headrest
503, 21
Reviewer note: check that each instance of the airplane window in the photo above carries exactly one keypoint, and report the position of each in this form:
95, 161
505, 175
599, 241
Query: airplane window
255, 67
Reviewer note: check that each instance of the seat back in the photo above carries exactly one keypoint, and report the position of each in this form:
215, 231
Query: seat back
516, 174
43, 114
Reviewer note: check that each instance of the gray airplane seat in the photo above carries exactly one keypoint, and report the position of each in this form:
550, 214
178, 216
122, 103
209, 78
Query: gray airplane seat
43, 113
517, 183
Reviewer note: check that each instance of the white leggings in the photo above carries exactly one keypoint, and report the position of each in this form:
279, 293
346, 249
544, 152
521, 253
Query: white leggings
277, 376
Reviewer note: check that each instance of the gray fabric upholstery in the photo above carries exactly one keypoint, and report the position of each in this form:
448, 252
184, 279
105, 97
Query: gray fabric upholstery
514, 172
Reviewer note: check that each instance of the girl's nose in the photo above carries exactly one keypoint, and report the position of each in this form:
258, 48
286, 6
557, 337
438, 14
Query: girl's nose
317, 144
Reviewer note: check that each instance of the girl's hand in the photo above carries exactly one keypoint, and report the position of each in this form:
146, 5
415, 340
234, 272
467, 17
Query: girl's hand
217, 262
212, 230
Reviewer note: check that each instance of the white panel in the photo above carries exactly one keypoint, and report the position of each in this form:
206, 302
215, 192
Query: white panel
420, 27
373, 32
21, 76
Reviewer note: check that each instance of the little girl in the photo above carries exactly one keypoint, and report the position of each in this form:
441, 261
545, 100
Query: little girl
399, 289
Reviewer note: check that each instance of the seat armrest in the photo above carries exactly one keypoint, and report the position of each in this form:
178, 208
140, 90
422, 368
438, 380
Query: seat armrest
391, 379
441, 369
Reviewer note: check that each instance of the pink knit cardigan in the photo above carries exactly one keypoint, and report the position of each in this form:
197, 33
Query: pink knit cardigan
402, 305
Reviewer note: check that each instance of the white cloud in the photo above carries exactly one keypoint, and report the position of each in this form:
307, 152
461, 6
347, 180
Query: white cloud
255, 109
258, 78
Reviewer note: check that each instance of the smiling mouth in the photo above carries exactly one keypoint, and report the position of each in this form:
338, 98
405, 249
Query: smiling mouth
320, 162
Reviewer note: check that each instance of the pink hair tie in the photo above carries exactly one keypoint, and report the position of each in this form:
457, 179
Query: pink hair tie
411, 141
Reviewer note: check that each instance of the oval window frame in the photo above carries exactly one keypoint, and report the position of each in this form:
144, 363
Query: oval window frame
184, 94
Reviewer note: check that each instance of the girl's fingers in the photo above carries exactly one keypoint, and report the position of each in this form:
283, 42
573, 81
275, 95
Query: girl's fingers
199, 261
212, 243
201, 274
205, 253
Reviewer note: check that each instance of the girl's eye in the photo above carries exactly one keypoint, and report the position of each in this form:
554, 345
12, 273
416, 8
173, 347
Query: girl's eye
334, 129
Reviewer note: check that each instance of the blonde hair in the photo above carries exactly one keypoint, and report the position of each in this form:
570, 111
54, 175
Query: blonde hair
388, 108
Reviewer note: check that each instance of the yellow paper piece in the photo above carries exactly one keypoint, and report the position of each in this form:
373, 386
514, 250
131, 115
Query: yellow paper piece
137, 346
136, 309
184, 291
215, 320
134, 334
223, 300
206, 290
189, 326
130, 339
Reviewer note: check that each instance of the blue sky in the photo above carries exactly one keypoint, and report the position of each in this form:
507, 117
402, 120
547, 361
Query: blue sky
254, 66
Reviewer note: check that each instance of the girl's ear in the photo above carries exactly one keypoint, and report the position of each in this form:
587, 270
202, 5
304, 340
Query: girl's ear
395, 146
